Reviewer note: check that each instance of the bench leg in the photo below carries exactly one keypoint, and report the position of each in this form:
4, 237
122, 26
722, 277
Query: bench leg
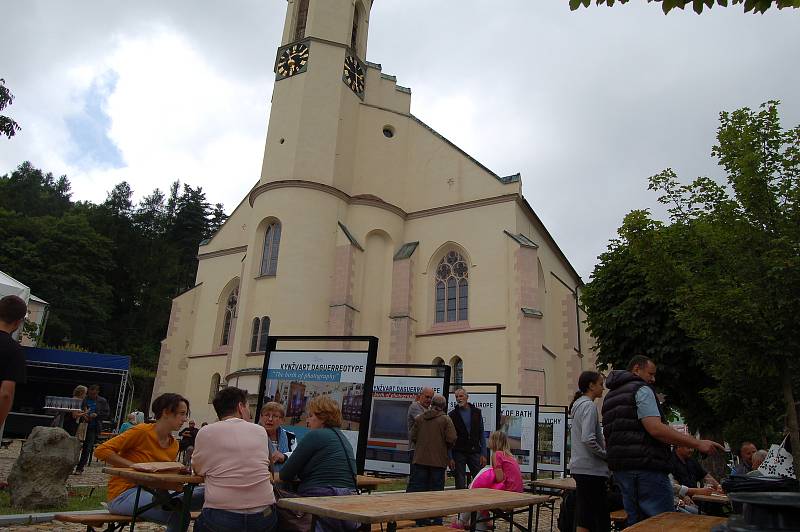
135, 507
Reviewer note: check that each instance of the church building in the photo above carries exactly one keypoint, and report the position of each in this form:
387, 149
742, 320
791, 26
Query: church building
366, 221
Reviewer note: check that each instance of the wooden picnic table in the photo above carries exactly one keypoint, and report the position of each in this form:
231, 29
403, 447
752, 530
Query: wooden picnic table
714, 498
671, 521
392, 507
160, 485
567, 484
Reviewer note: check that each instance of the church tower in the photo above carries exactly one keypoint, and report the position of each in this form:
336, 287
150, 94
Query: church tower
320, 79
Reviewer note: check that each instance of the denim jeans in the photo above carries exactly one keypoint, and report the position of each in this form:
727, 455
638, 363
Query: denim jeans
216, 520
464, 460
645, 493
426, 478
87, 448
123, 504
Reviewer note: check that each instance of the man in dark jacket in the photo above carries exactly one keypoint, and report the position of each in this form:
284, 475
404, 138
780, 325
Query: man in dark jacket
470, 448
433, 434
638, 439
97, 411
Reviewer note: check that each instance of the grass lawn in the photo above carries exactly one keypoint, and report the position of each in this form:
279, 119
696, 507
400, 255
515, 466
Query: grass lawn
77, 499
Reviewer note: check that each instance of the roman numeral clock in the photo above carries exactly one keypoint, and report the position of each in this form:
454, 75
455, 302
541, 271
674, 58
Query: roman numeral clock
292, 59
353, 74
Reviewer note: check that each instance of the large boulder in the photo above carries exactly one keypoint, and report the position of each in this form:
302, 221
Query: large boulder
38, 478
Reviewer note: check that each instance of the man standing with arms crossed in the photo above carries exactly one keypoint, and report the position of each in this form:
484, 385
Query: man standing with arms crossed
638, 439
470, 447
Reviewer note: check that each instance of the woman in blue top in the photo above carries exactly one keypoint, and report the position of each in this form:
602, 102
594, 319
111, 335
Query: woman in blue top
282, 442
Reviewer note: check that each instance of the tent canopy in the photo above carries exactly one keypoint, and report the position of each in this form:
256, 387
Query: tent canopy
76, 358
11, 287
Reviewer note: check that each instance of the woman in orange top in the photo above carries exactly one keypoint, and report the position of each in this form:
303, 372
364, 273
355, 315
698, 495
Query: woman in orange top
147, 442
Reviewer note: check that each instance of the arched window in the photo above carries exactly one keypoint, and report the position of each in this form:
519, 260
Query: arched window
230, 314
452, 288
254, 336
214, 387
457, 371
302, 16
438, 371
262, 339
354, 34
272, 241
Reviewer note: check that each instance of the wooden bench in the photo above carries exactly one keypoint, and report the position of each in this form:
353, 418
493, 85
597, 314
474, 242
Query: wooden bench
112, 522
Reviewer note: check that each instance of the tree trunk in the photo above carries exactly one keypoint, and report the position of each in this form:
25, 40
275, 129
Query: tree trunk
791, 417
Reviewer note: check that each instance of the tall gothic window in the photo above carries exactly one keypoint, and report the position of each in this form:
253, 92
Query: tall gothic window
214, 387
262, 339
254, 336
354, 34
457, 370
438, 371
302, 16
230, 314
452, 288
272, 241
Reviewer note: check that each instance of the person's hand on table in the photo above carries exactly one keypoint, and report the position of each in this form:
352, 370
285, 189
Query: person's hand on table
687, 501
704, 491
277, 457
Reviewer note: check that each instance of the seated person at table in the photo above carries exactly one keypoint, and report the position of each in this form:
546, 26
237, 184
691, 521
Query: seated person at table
758, 459
745, 465
232, 455
323, 460
283, 441
689, 479
147, 442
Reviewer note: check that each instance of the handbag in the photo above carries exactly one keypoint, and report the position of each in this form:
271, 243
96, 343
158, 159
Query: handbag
779, 462
81, 432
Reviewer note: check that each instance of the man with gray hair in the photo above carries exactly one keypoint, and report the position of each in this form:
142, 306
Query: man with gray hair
433, 434
418, 407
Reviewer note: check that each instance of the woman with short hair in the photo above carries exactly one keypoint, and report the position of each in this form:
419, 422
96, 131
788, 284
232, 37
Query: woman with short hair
281, 440
323, 460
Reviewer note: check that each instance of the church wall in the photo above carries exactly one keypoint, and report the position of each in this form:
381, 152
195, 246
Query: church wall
233, 232
199, 374
216, 274
375, 297
177, 343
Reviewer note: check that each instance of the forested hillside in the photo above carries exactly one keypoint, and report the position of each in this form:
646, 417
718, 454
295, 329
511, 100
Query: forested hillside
109, 271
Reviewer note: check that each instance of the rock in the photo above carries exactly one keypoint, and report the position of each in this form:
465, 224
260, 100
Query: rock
38, 478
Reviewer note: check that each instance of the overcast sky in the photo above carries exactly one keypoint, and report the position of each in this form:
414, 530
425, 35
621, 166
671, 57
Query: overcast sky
585, 105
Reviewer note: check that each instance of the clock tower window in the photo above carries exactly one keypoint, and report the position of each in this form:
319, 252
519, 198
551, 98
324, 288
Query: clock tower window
354, 33
302, 16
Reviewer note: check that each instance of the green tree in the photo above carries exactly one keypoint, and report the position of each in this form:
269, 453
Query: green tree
756, 6
8, 127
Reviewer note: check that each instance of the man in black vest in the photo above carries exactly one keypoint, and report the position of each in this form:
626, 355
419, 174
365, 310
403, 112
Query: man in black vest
470, 447
638, 439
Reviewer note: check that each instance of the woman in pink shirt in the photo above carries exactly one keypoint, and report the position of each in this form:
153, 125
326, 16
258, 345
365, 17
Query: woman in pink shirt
233, 455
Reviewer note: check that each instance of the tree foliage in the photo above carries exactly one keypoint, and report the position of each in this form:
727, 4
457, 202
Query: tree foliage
755, 6
726, 269
109, 271
8, 127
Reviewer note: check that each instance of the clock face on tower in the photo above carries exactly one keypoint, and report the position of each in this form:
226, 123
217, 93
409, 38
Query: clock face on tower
291, 60
353, 74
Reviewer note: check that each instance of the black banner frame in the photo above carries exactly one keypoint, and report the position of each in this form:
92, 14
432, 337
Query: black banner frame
556, 410
535, 430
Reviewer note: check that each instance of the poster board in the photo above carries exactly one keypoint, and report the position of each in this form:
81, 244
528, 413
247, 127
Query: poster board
518, 415
395, 388
484, 395
551, 450
293, 377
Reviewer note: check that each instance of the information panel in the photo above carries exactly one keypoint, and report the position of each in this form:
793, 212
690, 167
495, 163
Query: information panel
518, 421
551, 436
388, 445
292, 378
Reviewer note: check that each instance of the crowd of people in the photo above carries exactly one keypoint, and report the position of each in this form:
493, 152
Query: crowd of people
637, 451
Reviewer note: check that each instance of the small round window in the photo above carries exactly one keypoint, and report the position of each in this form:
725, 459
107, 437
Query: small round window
388, 132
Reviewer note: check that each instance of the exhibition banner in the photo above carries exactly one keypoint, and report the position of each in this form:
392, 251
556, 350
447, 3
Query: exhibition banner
388, 447
518, 421
552, 439
294, 377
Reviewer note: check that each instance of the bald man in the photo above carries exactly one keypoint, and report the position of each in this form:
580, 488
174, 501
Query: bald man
417, 408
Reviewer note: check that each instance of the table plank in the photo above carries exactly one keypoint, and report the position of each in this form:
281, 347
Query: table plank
363, 481
671, 521
157, 480
718, 499
556, 483
386, 507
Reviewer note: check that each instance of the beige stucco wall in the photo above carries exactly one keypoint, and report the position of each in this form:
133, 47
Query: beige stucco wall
334, 166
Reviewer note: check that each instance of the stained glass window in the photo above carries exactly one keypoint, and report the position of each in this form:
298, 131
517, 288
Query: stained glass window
269, 257
452, 288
